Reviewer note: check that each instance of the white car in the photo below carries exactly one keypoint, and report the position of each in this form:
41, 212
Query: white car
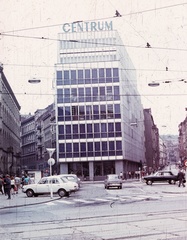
72, 178
58, 184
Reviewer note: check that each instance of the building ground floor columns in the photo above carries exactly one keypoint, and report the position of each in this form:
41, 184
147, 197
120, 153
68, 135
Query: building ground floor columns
97, 170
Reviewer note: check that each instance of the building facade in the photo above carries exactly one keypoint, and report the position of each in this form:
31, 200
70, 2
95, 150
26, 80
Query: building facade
163, 161
38, 132
152, 153
10, 151
99, 115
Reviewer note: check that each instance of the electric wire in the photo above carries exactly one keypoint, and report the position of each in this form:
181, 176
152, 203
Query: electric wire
99, 19
92, 42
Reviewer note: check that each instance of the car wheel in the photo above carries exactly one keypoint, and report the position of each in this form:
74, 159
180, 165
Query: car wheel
62, 192
30, 193
149, 182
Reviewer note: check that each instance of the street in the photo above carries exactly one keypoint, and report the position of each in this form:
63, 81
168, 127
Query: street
136, 212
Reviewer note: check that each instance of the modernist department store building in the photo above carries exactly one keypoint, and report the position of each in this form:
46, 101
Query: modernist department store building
99, 112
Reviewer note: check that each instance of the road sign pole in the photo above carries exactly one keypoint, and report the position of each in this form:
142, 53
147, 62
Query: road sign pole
51, 161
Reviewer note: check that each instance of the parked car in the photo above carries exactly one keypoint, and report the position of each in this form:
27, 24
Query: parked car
113, 180
161, 176
59, 185
72, 178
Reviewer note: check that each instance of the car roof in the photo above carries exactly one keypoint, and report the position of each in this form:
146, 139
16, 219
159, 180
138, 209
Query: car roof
54, 176
67, 175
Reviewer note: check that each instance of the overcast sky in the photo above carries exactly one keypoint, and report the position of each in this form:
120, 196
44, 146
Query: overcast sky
161, 23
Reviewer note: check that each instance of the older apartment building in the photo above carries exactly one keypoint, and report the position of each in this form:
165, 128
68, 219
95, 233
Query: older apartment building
10, 151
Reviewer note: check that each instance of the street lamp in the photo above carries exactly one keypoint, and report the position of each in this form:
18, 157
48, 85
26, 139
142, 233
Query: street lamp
34, 81
153, 84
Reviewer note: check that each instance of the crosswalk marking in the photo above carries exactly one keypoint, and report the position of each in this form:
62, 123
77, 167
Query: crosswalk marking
119, 199
102, 199
82, 201
50, 203
64, 201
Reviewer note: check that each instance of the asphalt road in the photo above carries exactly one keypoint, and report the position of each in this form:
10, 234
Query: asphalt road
136, 212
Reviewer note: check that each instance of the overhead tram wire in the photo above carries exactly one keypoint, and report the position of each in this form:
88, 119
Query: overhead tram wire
91, 42
71, 68
99, 19
121, 95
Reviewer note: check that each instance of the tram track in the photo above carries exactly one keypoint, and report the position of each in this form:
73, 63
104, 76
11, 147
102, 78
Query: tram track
98, 226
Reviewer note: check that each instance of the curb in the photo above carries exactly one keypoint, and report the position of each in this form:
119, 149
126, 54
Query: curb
29, 204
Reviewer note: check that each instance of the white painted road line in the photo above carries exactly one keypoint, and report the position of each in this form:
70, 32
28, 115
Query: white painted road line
102, 199
65, 202
82, 201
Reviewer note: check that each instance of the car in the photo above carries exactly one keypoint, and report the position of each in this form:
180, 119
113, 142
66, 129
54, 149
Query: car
72, 178
161, 176
59, 185
113, 180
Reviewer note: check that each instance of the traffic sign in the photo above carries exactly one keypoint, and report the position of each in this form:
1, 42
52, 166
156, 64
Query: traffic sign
185, 163
51, 161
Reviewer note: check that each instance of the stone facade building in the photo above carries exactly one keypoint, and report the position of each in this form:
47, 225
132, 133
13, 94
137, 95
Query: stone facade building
10, 151
38, 132
152, 152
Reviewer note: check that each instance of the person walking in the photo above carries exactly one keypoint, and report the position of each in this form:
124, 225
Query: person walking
1, 185
17, 183
12, 185
181, 178
7, 185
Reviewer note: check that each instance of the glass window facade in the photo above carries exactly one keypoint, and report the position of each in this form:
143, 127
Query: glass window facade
90, 149
87, 76
91, 94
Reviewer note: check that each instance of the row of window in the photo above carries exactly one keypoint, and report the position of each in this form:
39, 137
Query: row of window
89, 112
88, 94
90, 149
89, 130
88, 43
87, 76
87, 58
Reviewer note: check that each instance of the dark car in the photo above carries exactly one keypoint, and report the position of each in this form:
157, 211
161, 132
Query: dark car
113, 180
161, 176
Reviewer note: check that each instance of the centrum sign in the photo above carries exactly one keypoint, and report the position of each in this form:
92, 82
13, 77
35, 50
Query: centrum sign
87, 26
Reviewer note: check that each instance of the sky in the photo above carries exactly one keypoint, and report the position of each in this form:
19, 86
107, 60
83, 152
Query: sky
29, 42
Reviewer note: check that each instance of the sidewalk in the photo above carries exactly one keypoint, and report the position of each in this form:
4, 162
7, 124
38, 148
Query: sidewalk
20, 200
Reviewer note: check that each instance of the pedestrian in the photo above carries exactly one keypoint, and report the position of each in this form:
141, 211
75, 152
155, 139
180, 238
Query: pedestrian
121, 175
7, 185
181, 178
17, 183
1, 185
12, 185
26, 180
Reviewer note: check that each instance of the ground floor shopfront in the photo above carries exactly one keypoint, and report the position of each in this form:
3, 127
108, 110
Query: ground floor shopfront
97, 170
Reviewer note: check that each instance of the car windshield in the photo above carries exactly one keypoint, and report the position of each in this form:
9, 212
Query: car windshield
64, 179
113, 177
